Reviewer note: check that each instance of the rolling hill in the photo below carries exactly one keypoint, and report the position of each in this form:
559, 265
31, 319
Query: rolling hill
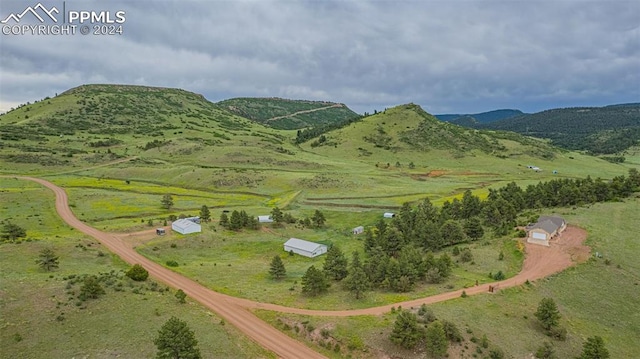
288, 114
177, 138
95, 124
117, 150
407, 130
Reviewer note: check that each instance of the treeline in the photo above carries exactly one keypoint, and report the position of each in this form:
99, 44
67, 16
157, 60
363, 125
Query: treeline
307, 134
399, 254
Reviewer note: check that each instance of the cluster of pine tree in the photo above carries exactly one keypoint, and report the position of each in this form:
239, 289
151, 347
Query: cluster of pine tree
238, 221
280, 218
306, 134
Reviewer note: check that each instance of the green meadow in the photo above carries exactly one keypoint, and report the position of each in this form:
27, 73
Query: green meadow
117, 150
598, 297
40, 319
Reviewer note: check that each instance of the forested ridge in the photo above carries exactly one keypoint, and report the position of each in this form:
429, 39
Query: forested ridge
598, 130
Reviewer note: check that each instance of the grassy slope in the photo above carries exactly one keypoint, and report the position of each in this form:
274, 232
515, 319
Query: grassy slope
257, 168
264, 110
594, 298
121, 324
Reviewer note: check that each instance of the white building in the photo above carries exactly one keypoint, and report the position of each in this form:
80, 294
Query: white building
304, 248
389, 215
265, 219
357, 230
185, 226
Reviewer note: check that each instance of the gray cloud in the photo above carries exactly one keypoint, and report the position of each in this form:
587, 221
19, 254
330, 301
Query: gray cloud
458, 56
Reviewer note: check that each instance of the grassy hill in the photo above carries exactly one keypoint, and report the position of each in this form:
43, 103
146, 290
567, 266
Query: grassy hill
97, 124
408, 131
288, 114
599, 130
118, 149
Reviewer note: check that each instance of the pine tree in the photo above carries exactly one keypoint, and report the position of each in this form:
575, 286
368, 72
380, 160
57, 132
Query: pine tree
277, 269
392, 242
91, 288
548, 314
205, 214
473, 228
176, 341
406, 331
436, 340
11, 232
335, 264
244, 219
546, 351
277, 216
357, 281
48, 260
314, 282
318, 219
235, 223
594, 348
224, 220
167, 201
452, 232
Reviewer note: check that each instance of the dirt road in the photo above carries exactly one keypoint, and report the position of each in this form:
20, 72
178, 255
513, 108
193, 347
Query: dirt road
225, 306
540, 262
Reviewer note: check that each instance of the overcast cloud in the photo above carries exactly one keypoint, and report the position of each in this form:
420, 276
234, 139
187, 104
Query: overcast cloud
447, 56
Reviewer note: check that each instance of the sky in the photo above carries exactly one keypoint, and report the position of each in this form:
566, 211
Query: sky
451, 56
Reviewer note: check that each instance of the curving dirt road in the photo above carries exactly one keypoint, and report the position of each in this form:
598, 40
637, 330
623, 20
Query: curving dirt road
225, 306
540, 262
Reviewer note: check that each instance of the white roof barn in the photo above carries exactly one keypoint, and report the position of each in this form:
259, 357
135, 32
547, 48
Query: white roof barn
185, 226
357, 230
265, 219
304, 248
389, 215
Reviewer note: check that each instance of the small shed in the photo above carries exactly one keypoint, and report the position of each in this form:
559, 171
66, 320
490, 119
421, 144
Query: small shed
160, 231
185, 226
304, 248
358, 230
389, 215
265, 219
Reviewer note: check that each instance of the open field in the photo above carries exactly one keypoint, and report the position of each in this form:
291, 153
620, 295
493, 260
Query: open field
218, 259
203, 155
594, 298
38, 318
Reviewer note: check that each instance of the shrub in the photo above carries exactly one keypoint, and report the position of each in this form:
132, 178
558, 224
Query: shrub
137, 273
558, 333
172, 263
499, 276
466, 255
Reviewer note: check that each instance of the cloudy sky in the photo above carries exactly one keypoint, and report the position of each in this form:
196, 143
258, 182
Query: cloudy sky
449, 56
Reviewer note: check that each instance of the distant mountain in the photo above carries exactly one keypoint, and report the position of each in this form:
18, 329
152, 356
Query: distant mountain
598, 130
286, 114
483, 117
